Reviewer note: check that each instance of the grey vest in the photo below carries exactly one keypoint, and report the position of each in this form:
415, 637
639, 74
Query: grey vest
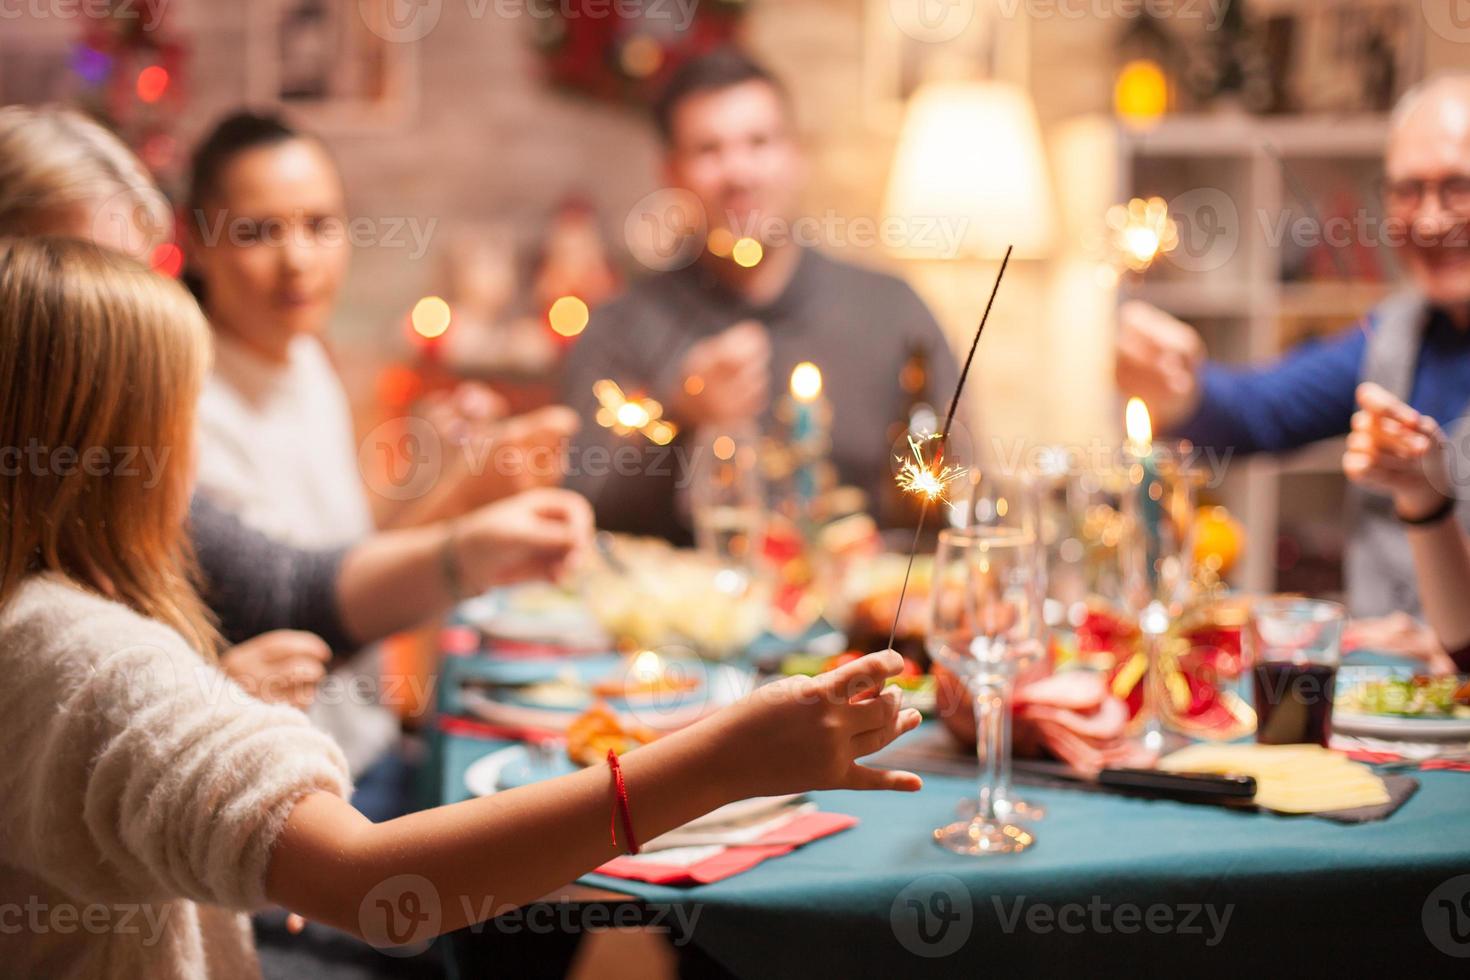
1379, 566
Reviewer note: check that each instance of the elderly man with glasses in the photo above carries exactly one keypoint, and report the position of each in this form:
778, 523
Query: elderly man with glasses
1416, 345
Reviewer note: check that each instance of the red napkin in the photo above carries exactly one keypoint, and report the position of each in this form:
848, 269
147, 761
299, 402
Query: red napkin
730, 861
1428, 765
470, 728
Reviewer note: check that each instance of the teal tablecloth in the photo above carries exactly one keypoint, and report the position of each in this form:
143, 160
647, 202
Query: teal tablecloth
1113, 885
1283, 893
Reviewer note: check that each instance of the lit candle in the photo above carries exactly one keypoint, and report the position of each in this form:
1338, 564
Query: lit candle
1140, 427
1150, 486
809, 414
648, 667
1145, 491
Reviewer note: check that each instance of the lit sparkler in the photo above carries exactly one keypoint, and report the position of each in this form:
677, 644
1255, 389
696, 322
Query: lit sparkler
931, 484
925, 478
626, 415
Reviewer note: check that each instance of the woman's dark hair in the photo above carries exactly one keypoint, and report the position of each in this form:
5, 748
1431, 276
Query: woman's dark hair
238, 133
720, 69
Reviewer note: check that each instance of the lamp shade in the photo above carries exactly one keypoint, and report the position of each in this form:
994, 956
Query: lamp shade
970, 158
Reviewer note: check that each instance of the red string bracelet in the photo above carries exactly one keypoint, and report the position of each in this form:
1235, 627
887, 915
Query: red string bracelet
622, 805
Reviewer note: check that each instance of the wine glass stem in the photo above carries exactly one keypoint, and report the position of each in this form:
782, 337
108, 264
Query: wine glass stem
992, 705
1153, 686
1002, 791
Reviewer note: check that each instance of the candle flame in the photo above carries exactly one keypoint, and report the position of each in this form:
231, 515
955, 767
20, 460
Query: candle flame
1140, 428
806, 382
647, 665
924, 478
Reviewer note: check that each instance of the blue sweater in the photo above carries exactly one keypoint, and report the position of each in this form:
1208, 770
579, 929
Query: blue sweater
1309, 394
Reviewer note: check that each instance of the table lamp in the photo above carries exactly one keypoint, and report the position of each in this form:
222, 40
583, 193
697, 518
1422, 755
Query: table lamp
970, 151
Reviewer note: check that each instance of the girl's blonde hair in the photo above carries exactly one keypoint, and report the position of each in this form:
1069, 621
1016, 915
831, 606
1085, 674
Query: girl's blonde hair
101, 364
56, 162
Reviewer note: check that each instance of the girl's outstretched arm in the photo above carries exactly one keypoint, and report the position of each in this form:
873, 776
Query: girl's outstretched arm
477, 859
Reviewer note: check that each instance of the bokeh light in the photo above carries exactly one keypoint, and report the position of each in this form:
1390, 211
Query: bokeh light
430, 317
152, 83
748, 253
569, 316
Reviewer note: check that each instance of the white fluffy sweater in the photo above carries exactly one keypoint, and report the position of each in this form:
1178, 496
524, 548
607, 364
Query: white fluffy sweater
141, 793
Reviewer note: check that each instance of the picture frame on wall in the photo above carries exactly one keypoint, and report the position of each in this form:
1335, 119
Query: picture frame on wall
907, 43
1347, 56
330, 65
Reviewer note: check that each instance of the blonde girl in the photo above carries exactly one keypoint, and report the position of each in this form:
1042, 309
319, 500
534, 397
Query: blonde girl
138, 777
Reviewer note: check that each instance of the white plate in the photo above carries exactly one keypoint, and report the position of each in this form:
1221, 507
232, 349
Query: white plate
721, 685
482, 778
1391, 726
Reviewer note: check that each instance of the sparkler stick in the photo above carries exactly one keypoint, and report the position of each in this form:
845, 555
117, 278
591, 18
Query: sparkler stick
933, 488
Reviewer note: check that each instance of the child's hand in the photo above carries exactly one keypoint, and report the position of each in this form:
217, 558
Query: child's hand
1396, 451
806, 733
283, 667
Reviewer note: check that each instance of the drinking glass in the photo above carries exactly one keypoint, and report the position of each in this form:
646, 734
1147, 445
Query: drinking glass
984, 625
1294, 645
727, 500
1001, 499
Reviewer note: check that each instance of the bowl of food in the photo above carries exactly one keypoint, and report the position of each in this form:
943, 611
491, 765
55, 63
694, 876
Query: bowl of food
653, 595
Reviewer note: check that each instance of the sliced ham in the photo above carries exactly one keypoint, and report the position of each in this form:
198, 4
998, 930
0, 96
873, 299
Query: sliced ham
1075, 690
1087, 756
1103, 724
1071, 716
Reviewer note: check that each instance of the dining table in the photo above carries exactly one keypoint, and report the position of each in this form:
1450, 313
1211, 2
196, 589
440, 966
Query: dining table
1114, 885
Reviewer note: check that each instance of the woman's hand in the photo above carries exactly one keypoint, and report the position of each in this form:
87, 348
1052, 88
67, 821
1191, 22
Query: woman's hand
807, 733
536, 534
726, 378
456, 414
283, 667
513, 455
1399, 635
1394, 450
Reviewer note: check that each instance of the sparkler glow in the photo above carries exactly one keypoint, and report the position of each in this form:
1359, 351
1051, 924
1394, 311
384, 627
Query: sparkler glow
926, 478
626, 415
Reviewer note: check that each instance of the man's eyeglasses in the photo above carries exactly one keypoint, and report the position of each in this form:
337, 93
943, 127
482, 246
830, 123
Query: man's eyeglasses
1408, 194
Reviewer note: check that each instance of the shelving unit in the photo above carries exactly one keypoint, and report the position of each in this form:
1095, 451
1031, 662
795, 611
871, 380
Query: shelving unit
1257, 297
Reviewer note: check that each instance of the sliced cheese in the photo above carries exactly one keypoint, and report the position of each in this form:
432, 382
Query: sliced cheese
1289, 778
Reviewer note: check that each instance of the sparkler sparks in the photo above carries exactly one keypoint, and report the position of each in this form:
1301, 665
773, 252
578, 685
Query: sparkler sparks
625, 415
926, 478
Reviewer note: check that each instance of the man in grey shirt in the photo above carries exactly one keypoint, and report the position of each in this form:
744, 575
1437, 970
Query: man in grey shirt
714, 339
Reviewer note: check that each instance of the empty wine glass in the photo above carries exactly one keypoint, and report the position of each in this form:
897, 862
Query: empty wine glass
984, 625
727, 501
1002, 499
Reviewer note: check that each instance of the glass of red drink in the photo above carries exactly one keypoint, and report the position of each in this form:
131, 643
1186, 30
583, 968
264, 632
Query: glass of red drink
1294, 646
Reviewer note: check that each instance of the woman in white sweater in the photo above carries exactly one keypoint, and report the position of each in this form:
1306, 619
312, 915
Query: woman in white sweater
146, 800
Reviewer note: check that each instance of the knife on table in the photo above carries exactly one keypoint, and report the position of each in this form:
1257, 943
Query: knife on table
1191, 786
